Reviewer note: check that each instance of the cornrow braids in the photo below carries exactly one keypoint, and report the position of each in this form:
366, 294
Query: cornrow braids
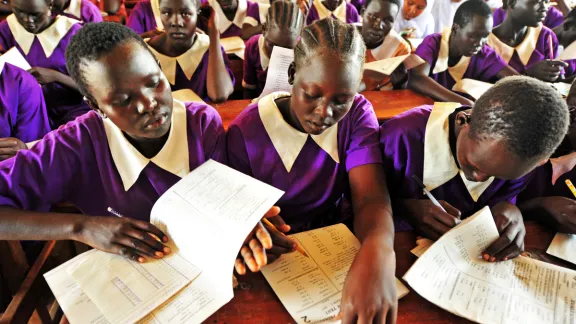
285, 14
333, 37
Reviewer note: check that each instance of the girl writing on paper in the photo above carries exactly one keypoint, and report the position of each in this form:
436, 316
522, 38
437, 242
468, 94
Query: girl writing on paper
42, 39
415, 20
335, 9
83, 10
472, 157
282, 28
382, 42
524, 43
189, 59
320, 145
458, 53
133, 146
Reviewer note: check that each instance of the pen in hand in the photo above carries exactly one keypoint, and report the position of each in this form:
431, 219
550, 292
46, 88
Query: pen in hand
427, 193
273, 228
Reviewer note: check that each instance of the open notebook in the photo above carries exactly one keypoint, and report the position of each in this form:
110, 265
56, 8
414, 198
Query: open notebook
233, 45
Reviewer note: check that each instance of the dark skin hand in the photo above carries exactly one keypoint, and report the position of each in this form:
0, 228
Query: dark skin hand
45, 76
9, 146
547, 70
428, 218
510, 224
557, 212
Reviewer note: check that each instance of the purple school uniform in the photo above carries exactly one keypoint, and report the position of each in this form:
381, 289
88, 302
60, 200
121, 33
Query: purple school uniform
254, 74
22, 110
402, 139
571, 69
142, 18
75, 164
352, 15
541, 184
252, 14
554, 17
316, 183
484, 66
89, 12
358, 4
63, 104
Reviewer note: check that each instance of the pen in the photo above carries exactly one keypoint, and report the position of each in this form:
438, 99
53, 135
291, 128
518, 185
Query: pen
426, 192
571, 187
275, 230
551, 47
113, 212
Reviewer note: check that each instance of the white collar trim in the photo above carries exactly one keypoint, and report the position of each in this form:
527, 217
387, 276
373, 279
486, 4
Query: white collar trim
49, 38
439, 164
323, 12
524, 49
223, 22
287, 140
75, 8
264, 59
457, 71
155, 4
173, 157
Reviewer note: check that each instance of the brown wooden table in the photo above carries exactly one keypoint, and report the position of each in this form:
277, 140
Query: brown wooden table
255, 302
387, 104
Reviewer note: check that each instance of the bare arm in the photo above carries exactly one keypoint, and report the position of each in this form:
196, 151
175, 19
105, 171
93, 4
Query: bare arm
421, 82
506, 72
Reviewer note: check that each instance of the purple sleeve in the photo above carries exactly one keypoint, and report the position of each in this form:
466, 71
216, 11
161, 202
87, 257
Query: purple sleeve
571, 69
510, 191
554, 18
213, 135
429, 48
32, 121
364, 147
491, 63
499, 16
227, 64
93, 13
136, 19
5, 37
253, 11
352, 15
236, 148
249, 79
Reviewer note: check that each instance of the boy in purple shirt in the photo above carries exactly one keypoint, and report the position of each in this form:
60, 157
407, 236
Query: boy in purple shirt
145, 18
23, 117
472, 157
524, 43
335, 9
189, 59
125, 154
43, 41
320, 145
282, 28
458, 53
554, 17
82, 10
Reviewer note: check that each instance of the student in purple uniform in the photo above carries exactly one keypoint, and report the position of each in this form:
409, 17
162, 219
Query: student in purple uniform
145, 18
566, 34
23, 117
524, 43
242, 18
42, 40
336, 9
320, 145
458, 53
554, 17
282, 28
135, 144
471, 157
82, 10
192, 60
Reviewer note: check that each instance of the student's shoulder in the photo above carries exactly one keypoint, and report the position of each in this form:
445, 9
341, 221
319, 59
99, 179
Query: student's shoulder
83, 130
252, 42
200, 112
547, 32
247, 118
143, 4
410, 124
15, 74
433, 39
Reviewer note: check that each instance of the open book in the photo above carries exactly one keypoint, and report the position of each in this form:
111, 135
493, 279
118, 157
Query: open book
387, 66
311, 288
233, 45
472, 87
207, 216
452, 275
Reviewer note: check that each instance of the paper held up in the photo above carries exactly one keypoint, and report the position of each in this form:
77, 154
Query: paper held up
387, 66
186, 95
472, 87
277, 78
14, 57
563, 246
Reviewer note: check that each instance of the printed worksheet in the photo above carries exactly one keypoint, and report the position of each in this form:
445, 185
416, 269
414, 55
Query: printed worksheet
277, 77
452, 275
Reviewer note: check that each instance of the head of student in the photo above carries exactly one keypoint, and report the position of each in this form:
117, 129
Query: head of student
283, 25
325, 75
179, 18
378, 17
121, 79
33, 15
472, 25
526, 12
513, 128
413, 8
332, 4
228, 6
569, 28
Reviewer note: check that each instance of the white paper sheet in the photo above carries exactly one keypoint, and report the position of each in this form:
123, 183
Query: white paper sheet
569, 53
452, 275
311, 288
232, 44
277, 78
563, 246
472, 87
14, 57
386, 66
125, 290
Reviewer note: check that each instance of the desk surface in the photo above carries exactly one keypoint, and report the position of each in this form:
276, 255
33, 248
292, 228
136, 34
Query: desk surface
255, 302
387, 104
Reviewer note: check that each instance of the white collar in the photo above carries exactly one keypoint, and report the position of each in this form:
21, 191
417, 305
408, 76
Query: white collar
75, 8
287, 140
524, 49
223, 22
439, 164
173, 157
388, 46
188, 61
264, 59
155, 4
457, 71
49, 38
323, 12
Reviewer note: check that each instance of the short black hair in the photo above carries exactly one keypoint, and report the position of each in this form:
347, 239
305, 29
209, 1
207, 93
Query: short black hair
396, 2
469, 9
91, 43
508, 3
529, 115
570, 20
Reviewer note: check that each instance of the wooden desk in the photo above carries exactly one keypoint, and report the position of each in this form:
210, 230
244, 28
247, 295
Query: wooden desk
255, 302
387, 104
